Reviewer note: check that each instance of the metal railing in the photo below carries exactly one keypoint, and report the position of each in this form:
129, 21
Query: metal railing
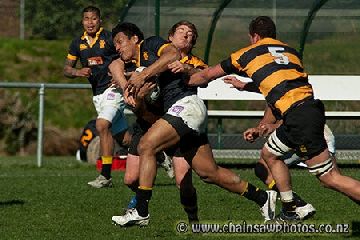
42, 87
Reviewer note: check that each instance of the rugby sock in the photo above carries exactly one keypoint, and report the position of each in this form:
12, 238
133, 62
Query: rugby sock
189, 202
272, 186
143, 195
255, 194
288, 202
298, 200
106, 166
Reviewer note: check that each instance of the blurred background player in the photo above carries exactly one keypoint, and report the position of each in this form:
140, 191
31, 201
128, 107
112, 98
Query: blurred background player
95, 50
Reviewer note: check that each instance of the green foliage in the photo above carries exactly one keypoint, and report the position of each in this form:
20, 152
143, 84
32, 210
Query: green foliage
55, 19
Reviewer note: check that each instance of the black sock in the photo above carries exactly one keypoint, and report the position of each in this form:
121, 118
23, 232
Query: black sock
298, 200
289, 207
255, 194
106, 170
143, 197
189, 202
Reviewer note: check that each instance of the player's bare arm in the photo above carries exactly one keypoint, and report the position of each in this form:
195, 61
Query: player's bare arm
117, 70
71, 72
206, 75
236, 83
168, 55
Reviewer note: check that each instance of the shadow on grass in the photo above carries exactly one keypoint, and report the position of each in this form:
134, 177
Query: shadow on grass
11, 202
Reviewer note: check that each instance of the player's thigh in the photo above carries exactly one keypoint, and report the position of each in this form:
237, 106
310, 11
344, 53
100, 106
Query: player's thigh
203, 161
161, 135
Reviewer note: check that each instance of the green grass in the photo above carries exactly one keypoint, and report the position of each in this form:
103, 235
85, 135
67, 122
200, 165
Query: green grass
54, 202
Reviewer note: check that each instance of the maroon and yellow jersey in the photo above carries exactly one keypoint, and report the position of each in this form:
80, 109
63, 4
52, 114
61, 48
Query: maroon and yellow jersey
276, 70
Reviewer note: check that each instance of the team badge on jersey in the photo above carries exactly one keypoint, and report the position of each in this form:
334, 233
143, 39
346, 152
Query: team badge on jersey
102, 43
303, 148
146, 55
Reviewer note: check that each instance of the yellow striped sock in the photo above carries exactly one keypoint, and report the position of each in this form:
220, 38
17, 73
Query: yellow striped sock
145, 188
272, 184
106, 159
246, 189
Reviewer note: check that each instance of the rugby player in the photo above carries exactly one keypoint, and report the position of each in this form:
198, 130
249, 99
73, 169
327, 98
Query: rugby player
95, 50
183, 36
183, 124
277, 73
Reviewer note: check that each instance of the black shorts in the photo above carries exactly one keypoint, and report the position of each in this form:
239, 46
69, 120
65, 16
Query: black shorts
303, 129
190, 140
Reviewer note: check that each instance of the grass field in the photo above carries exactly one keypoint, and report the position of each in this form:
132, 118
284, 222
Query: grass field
54, 202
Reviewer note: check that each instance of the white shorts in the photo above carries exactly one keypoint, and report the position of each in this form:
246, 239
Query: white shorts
110, 106
192, 111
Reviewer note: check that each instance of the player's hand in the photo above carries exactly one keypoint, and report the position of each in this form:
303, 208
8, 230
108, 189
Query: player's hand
266, 129
236, 83
129, 98
251, 134
83, 72
135, 81
177, 67
145, 89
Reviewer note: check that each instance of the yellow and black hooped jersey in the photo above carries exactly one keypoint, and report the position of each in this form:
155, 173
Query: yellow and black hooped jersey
97, 56
276, 70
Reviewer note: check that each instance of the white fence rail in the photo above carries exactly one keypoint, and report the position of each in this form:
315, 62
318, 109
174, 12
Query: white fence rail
325, 87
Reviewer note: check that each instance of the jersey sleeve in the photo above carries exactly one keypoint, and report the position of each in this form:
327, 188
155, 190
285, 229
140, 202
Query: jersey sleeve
157, 44
74, 52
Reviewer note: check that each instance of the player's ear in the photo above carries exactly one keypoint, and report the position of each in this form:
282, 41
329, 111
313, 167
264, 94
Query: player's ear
135, 38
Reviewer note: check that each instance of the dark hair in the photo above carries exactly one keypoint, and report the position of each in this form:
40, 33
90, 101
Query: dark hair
186, 23
129, 29
92, 9
263, 26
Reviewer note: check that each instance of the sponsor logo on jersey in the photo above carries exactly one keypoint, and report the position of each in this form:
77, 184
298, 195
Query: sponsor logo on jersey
110, 96
93, 61
177, 109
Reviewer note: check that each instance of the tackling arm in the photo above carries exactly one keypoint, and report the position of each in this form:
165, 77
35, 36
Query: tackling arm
205, 76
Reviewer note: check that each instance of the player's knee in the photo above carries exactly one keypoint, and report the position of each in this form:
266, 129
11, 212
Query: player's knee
102, 125
261, 172
146, 146
130, 179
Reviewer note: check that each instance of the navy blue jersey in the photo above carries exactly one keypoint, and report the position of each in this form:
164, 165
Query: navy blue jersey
172, 86
96, 56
